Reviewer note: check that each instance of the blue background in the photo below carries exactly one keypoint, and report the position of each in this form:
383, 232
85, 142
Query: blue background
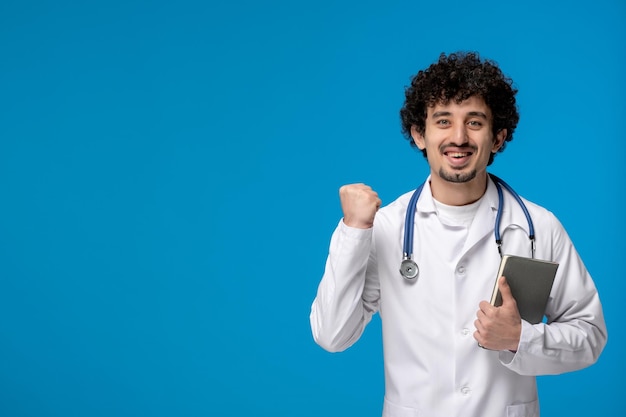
169, 176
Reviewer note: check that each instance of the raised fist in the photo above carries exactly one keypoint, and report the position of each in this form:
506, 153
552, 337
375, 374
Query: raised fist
359, 204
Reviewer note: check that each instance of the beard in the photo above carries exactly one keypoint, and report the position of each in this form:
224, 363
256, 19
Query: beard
457, 177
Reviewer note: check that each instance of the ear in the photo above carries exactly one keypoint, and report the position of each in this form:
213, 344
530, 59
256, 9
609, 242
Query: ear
418, 138
498, 140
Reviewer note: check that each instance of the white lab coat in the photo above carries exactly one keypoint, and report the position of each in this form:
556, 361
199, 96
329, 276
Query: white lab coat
433, 365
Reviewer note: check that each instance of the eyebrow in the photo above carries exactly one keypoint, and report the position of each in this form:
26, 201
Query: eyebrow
472, 113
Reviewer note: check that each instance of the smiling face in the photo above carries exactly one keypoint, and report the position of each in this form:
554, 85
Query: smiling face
458, 140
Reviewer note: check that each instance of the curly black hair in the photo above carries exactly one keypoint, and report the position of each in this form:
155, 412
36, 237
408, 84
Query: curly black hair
458, 77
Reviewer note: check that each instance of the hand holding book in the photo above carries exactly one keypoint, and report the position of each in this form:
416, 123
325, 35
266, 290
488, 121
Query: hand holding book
530, 281
499, 328
521, 291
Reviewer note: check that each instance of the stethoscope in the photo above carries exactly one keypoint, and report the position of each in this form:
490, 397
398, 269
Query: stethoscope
409, 269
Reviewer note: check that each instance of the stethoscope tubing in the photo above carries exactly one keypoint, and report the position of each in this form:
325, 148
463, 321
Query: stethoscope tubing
498, 181
409, 269
409, 223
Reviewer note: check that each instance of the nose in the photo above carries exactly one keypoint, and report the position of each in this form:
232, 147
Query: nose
459, 133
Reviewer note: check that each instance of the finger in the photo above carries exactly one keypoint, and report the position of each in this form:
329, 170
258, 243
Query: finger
505, 290
485, 307
477, 337
481, 340
479, 326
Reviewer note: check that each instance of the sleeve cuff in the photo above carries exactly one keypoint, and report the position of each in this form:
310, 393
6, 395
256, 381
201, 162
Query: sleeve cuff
355, 232
506, 356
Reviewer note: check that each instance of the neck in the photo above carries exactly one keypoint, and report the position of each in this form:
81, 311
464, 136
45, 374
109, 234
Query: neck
458, 193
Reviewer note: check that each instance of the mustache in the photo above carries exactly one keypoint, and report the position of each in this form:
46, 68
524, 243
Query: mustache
465, 145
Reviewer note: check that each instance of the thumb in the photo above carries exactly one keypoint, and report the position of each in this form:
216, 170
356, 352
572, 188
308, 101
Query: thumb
505, 291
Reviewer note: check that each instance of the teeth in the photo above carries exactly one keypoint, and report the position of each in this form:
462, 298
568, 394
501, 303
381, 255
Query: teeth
458, 154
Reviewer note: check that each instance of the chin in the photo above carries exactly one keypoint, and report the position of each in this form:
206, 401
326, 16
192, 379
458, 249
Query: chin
458, 176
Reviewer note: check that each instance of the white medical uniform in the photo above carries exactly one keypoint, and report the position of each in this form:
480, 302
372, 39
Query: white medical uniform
433, 365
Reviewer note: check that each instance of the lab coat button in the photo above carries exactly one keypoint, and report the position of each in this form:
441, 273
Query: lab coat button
465, 331
465, 391
461, 270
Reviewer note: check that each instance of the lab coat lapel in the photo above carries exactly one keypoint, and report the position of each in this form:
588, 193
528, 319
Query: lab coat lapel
514, 228
483, 223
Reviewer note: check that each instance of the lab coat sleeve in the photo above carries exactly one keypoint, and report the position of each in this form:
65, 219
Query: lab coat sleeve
348, 294
575, 333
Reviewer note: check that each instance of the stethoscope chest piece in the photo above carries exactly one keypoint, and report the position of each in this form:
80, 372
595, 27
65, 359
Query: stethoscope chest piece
409, 270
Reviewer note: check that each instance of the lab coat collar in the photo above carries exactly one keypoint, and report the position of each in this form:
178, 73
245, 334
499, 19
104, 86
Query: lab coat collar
426, 203
484, 221
483, 225
512, 213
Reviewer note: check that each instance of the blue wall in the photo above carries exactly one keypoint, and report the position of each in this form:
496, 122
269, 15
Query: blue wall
169, 176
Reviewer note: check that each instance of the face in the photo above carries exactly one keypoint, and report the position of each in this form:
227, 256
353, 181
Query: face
458, 140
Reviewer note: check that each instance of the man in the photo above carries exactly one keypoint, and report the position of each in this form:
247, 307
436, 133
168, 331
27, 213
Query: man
447, 351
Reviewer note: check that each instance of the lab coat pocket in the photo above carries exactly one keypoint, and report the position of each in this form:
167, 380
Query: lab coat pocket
393, 410
530, 409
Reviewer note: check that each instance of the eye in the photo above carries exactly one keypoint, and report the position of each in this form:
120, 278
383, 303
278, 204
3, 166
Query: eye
475, 124
443, 122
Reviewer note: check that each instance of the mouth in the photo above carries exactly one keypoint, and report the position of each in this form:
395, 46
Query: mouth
457, 155
458, 159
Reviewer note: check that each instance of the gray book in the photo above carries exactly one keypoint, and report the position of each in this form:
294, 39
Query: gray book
530, 281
